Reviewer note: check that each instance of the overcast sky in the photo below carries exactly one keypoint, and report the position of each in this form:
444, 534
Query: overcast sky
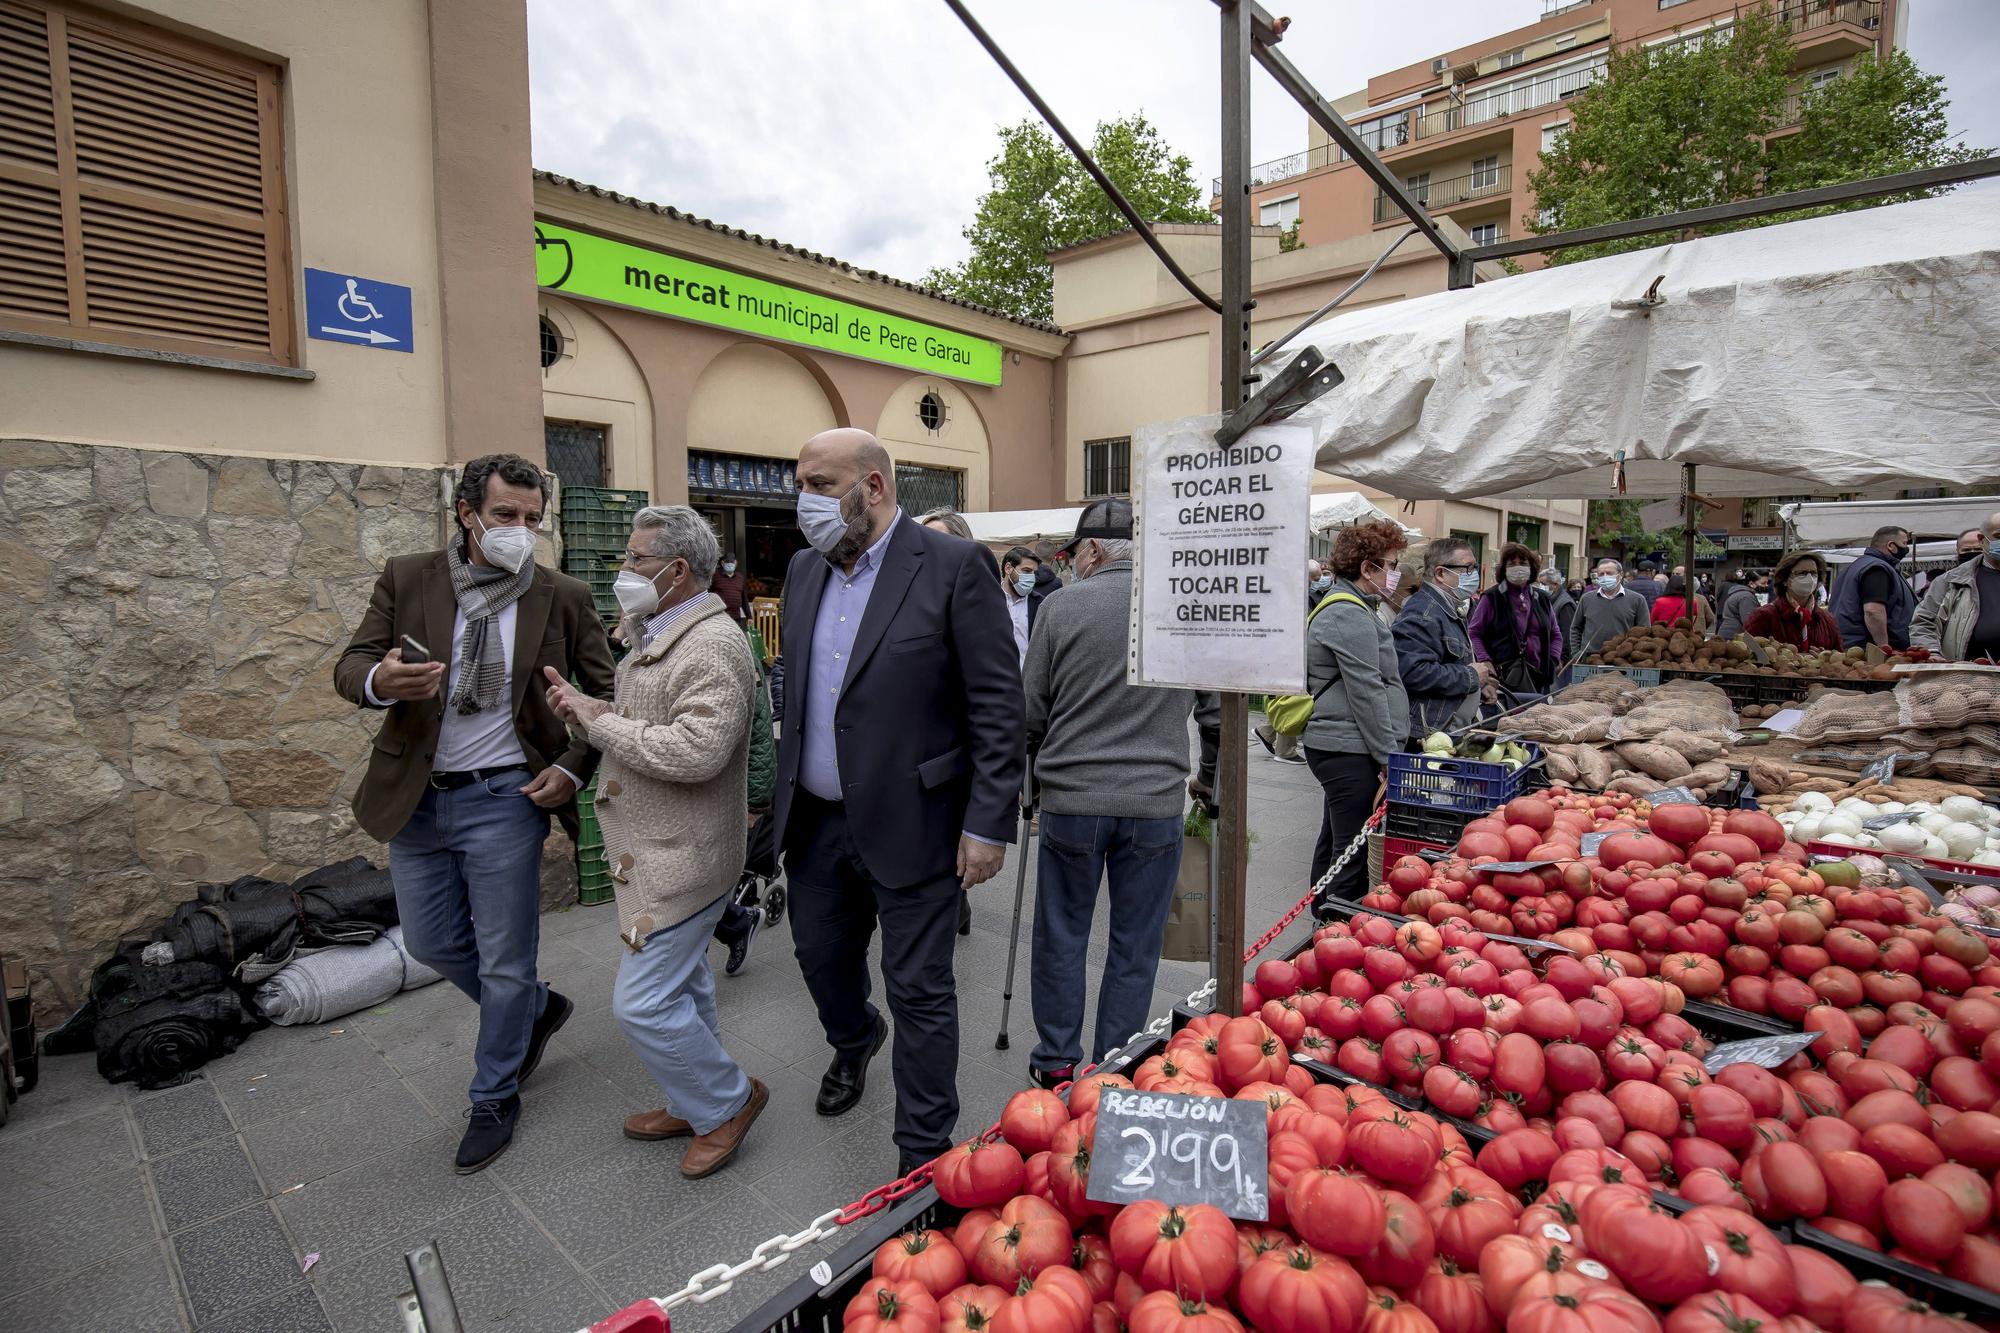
861, 128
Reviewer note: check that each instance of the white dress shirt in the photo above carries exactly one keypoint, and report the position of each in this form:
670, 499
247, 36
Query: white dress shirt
1017, 609
485, 739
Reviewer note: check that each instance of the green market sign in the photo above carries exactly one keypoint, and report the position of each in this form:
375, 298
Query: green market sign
577, 263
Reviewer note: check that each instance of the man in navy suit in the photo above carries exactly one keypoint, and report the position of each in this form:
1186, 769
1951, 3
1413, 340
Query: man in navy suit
899, 772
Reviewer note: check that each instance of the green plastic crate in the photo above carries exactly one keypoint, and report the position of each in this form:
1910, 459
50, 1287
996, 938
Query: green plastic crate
593, 872
598, 519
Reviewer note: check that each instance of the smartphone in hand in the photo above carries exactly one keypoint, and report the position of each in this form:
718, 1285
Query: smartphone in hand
414, 653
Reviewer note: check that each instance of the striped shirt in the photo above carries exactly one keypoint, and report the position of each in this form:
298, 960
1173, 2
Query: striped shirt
662, 621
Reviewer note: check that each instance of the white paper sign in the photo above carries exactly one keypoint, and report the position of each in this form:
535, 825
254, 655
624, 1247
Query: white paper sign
1223, 541
1784, 721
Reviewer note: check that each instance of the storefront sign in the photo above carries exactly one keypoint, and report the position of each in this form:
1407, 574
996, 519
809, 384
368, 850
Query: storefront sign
1743, 541
1222, 550
579, 264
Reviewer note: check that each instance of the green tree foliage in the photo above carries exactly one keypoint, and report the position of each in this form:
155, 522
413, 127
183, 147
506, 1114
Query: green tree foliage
1688, 124
1616, 523
1040, 199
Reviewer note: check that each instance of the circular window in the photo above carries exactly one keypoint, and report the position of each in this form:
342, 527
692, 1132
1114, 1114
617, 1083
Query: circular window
931, 411
552, 342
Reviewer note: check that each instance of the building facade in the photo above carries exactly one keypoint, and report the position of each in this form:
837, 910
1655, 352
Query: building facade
1142, 350
210, 440
1464, 128
692, 361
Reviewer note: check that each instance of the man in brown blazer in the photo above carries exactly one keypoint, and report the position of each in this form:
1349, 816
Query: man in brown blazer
471, 761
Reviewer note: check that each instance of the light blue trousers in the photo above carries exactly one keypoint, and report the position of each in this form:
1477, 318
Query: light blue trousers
665, 1001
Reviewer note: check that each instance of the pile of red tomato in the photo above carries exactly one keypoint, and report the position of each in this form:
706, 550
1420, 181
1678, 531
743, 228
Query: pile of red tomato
1716, 902
1382, 1220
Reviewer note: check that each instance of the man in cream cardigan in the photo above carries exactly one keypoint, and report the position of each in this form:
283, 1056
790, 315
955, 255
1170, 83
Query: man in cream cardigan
675, 745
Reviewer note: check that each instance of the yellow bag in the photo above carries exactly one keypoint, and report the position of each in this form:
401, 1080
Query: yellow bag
1289, 713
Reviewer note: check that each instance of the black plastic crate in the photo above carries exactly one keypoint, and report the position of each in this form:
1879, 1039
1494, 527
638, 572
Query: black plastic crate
1945, 1294
1421, 823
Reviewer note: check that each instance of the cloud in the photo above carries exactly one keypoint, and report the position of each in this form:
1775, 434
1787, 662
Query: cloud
861, 128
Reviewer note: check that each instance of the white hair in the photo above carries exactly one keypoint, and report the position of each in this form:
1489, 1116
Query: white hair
1114, 548
678, 533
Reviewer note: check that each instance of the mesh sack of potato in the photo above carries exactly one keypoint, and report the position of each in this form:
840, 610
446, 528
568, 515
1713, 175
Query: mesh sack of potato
1562, 724
1970, 755
1936, 700
1842, 715
1607, 687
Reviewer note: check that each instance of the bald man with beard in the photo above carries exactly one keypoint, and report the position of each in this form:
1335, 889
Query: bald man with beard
899, 772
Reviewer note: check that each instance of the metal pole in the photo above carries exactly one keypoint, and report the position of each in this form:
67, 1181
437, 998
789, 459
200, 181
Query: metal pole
1231, 846
1020, 892
1690, 515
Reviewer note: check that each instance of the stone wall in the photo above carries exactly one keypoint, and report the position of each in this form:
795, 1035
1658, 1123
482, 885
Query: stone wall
168, 628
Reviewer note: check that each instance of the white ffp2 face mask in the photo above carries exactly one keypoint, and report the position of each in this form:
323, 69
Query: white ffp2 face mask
1517, 574
637, 596
509, 547
821, 521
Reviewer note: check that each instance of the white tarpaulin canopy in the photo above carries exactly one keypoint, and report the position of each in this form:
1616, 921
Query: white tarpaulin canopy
1023, 527
1338, 509
1836, 353
1858, 520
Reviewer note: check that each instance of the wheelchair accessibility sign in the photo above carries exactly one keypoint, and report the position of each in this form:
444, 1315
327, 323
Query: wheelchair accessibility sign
358, 311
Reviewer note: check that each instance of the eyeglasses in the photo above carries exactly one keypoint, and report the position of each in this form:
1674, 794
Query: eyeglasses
1460, 568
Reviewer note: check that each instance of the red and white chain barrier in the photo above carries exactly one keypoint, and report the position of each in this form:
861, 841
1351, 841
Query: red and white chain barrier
649, 1314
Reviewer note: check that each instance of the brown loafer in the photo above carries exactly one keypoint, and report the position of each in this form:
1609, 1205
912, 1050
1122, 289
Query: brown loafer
661, 1124
711, 1152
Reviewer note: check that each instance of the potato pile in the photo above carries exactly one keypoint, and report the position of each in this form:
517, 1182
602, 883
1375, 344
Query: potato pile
1680, 647
1607, 734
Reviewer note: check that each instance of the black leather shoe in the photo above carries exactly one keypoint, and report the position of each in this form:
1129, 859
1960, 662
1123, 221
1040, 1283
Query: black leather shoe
490, 1130
554, 1014
845, 1081
964, 913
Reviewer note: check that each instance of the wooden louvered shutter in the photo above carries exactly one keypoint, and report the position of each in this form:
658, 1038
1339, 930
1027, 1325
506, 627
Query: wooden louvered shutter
141, 196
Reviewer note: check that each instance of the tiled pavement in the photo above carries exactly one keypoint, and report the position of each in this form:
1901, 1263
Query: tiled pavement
279, 1191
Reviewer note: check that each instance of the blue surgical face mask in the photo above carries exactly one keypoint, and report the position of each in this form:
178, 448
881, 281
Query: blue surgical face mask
1607, 583
1322, 584
1024, 583
1993, 548
821, 521
1468, 582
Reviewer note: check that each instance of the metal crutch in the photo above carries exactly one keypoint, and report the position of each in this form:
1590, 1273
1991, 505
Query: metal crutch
1020, 892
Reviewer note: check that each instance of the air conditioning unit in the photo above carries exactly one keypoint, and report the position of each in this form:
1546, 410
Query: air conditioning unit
1441, 64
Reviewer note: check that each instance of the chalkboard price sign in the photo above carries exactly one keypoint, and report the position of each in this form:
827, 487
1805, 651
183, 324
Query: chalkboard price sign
1182, 1150
1768, 1052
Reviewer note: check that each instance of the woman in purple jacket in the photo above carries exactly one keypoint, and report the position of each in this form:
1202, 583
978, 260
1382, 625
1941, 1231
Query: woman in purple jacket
1515, 627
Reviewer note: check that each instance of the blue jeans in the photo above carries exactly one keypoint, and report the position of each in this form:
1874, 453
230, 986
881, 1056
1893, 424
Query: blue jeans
665, 1001
1143, 857
468, 874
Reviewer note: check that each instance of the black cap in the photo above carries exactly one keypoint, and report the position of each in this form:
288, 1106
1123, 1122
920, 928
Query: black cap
1107, 520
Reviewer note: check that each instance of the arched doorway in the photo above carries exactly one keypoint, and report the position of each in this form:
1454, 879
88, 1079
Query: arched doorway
938, 439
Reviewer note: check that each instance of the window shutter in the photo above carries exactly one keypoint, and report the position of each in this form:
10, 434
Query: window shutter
150, 208
33, 281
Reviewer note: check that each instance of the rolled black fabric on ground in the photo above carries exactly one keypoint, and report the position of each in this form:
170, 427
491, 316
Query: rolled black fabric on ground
157, 1024
351, 902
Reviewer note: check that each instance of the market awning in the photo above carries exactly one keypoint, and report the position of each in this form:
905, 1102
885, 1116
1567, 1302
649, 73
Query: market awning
1841, 352
1023, 527
1859, 520
1338, 509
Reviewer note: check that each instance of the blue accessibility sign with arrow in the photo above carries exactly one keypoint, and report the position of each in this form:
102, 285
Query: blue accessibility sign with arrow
361, 312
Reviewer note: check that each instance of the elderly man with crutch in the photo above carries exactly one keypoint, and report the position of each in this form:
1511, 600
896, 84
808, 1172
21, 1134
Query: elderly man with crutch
1110, 760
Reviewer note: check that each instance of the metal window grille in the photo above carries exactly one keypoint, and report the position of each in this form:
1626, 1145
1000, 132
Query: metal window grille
1107, 467
922, 489
576, 452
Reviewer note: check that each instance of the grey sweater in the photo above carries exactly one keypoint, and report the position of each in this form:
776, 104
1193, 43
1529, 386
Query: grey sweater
1104, 746
1600, 619
1351, 665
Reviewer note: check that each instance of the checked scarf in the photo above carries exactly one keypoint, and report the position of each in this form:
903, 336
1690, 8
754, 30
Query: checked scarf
483, 592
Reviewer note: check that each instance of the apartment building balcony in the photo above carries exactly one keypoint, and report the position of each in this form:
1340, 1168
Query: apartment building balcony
1551, 8
1828, 29
1455, 192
